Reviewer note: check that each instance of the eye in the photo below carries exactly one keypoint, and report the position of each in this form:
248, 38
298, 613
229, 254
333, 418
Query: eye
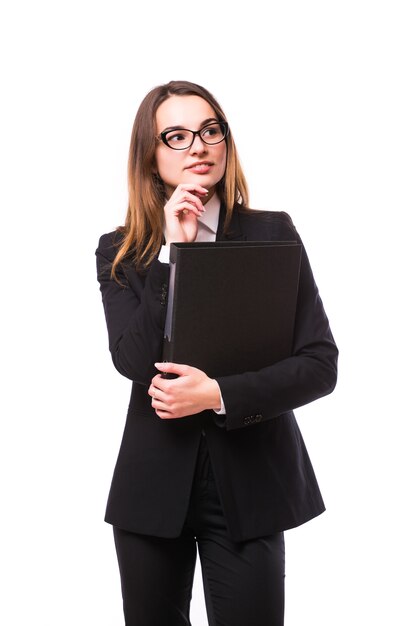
211, 131
175, 137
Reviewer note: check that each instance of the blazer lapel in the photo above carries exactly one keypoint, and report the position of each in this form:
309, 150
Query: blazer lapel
234, 230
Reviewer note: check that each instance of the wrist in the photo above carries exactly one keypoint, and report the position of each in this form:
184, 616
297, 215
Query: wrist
215, 395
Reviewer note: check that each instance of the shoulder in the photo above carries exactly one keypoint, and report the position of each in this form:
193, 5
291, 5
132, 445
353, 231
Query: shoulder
266, 216
267, 224
109, 243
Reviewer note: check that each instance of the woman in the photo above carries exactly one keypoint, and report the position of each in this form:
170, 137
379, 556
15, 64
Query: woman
217, 464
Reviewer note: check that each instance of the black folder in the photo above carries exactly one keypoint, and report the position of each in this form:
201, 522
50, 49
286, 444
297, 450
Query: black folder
231, 305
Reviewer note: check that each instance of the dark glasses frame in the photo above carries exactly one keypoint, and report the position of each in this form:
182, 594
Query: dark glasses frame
224, 125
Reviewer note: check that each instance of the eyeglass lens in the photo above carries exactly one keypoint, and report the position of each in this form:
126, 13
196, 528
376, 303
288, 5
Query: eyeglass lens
180, 139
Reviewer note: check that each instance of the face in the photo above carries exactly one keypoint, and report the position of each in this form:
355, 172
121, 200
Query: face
201, 163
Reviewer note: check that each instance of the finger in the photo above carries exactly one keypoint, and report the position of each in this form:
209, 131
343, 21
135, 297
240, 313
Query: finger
187, 198
190, 207
186, 195
195, 199
192, 188
163, 413
157, 393
152, 390
158, 405
174, 368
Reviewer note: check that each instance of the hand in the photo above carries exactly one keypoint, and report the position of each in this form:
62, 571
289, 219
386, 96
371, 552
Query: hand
181, 213
192, 392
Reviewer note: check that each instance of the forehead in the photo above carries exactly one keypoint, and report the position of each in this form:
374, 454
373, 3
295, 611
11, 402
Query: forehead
187, 111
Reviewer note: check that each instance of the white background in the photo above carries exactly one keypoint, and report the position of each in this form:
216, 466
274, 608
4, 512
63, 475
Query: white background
321, 97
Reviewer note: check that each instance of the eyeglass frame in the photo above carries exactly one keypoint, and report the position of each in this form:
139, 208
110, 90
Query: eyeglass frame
162, 136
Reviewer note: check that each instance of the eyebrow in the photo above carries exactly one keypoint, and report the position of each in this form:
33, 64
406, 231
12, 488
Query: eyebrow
179, 127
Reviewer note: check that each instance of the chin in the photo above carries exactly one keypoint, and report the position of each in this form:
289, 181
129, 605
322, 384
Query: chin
207, 181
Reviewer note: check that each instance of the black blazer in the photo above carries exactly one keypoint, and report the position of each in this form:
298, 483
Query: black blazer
263, 473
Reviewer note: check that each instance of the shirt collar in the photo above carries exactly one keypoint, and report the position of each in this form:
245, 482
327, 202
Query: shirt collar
210, 217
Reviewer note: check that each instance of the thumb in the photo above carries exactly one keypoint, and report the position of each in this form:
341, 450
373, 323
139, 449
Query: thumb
173, 368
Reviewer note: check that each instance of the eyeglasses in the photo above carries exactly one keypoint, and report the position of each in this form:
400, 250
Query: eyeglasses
183, 138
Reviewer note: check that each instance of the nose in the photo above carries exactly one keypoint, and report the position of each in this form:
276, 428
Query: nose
198, 146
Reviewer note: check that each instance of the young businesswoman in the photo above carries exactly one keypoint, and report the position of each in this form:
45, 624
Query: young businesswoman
217, 465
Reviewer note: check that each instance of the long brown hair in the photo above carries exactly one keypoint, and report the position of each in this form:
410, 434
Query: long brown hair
142, 234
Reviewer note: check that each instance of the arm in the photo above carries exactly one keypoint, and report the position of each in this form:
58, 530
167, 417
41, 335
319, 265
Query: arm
135, 307
135, 313
310, 373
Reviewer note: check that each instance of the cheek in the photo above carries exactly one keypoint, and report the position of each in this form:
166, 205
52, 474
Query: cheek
166, 166
160, 162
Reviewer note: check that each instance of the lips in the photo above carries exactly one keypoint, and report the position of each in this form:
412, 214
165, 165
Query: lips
200, 167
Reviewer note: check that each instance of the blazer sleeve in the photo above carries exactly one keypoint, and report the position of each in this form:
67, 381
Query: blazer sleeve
135, 310
310, 373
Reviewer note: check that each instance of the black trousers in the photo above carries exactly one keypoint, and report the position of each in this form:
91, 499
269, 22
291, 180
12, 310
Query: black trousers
243, 582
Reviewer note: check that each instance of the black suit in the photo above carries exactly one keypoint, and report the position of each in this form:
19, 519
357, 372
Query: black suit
263, 473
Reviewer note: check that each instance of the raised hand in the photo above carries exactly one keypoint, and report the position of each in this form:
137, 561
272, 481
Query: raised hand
182, 211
